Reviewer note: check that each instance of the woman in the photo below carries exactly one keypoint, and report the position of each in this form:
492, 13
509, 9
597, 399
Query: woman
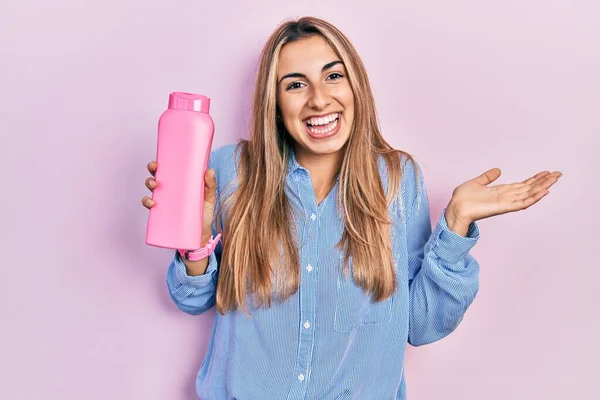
328, 264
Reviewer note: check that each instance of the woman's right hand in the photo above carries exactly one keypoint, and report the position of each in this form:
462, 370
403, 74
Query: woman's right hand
210, 198
150, 184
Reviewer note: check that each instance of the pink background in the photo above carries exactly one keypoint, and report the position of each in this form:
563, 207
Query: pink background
463, 85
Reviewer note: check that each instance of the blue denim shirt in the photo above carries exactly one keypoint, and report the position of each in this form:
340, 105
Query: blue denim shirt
329, 341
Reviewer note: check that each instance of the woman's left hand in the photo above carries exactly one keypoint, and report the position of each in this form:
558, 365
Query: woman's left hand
475, 200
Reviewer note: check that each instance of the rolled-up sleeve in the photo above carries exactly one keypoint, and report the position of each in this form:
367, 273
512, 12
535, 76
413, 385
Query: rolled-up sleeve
443, 276
192, 294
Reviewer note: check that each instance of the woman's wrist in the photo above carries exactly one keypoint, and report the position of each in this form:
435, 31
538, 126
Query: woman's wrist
455, 223
196, 268
206, 238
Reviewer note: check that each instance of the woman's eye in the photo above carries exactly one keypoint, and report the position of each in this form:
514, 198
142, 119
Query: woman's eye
335, 76
295, 85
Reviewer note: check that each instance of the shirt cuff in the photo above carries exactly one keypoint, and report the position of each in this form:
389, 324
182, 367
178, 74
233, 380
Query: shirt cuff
195, 281
449, 245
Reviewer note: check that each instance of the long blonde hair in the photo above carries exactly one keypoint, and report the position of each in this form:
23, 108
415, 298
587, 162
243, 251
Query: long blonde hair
260, 252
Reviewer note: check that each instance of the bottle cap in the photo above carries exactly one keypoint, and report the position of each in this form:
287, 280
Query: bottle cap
189, 102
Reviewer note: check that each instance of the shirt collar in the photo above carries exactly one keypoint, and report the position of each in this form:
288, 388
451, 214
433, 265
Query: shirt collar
293, 164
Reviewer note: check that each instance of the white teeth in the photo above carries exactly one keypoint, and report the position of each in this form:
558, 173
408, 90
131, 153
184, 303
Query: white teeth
324, 120
324, 131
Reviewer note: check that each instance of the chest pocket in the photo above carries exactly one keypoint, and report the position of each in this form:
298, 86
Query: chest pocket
354, 308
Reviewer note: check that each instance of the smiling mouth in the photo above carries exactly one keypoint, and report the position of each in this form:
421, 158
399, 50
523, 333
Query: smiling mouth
323, 125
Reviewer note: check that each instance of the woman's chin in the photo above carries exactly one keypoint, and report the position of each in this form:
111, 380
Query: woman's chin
324, 147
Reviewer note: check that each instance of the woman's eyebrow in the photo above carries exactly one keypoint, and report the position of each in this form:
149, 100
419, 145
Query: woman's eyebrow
299, 75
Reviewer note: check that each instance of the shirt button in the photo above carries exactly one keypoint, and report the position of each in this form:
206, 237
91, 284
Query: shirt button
313, 217
309, 268
301, 377
307, 325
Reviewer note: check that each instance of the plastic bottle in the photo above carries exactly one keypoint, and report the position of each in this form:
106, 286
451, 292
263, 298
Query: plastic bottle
185, 135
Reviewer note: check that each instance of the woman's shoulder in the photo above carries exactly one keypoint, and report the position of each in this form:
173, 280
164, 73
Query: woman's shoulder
410, 172
225, 158
412, 175
223, 155
410, 182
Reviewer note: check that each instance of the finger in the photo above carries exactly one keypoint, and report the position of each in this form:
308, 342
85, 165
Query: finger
521, 188
541, 176
150, 183
147, 202
210, 187
531, 200
535, 177
529, 194
528, 183
152, 165
554, 177
488, 176
536, 180
533, 193
549, 180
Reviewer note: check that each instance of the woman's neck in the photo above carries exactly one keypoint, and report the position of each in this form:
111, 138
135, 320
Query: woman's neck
323, 169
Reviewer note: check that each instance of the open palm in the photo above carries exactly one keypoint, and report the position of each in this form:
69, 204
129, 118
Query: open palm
475, 200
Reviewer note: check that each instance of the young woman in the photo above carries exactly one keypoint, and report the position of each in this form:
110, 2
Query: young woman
328, 263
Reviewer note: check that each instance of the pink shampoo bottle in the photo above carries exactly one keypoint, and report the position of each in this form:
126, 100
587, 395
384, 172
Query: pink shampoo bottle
185, 135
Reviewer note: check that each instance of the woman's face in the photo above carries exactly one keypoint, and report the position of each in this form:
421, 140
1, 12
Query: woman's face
314, 96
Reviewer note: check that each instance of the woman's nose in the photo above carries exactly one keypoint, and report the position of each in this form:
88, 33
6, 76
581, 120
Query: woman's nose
319, 99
